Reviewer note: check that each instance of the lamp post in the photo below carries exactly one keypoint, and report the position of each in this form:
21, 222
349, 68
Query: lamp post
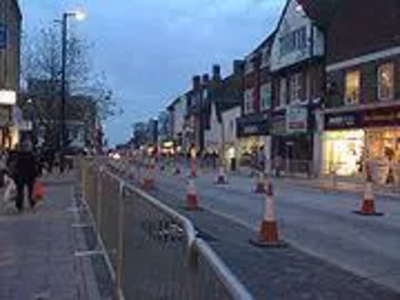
80, 16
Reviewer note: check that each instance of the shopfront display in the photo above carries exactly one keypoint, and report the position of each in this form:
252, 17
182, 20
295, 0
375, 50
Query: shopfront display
253, 135
342, 152
351, 137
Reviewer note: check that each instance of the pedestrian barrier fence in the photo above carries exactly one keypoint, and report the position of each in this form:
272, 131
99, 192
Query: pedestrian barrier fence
152, 251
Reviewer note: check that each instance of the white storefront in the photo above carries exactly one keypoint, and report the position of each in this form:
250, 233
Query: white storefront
213, 136
229, 138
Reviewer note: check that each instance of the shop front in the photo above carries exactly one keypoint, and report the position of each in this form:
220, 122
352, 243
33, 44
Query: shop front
292, 142
352, 137
253, 137
8, 132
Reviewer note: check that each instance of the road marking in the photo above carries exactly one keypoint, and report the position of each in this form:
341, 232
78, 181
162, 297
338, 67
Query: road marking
88, 253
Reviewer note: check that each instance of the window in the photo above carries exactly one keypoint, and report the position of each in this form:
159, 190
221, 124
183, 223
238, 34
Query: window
293, 41
282, 92
386, 81
248, 101
266, 96
249, 65
353, 87
295, 88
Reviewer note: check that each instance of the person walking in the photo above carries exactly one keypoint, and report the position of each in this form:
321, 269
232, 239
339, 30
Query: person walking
24, 170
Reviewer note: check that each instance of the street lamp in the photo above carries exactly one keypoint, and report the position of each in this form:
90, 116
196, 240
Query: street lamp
80, 16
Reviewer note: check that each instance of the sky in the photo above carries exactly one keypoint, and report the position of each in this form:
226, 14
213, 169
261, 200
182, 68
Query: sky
150, 49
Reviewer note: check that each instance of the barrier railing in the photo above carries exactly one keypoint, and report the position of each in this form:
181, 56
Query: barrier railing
152, 251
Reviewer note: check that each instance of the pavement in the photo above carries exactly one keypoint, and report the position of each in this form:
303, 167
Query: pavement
42, 251
333, 253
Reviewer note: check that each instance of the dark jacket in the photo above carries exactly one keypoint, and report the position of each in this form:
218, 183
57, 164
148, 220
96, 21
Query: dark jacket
23, 165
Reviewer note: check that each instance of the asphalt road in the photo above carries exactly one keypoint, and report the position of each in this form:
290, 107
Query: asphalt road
321, 224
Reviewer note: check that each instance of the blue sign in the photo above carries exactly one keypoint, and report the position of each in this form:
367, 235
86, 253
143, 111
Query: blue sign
3, 36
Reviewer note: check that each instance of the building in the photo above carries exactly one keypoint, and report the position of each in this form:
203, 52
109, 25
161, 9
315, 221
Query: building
361, 119
297, 68
152, 134
10, 34
253, 127
139, 138
177, 112
164, 140
220, 132
199, 107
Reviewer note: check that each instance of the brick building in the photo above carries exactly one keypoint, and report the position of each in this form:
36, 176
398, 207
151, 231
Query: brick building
10, 33
253, 126
362, 113
297, 60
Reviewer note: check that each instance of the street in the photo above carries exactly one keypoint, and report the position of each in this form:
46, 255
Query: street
321, 224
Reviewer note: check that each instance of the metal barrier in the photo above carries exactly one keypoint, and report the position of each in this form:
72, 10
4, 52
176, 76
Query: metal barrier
152, 251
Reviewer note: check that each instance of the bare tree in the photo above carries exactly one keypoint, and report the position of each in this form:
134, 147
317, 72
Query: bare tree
42, 58
41, 64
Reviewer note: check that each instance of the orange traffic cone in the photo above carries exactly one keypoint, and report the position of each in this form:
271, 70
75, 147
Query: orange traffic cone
148, 180
368, 203
221, 178
192, 199
260, 184
268, 235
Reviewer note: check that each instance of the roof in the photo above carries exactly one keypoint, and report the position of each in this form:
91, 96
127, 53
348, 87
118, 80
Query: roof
321, 12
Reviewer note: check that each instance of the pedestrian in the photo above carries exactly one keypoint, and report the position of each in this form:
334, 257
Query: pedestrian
261, 159
23, 169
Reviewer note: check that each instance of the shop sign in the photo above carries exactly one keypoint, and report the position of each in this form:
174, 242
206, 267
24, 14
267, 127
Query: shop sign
388, 116
279, 125
296, 120
8, 97
341, 121
255, 125
382, 117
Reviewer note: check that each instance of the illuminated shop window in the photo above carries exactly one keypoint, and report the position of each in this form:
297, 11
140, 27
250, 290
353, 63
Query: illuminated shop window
343, 151
353, 87
386, 81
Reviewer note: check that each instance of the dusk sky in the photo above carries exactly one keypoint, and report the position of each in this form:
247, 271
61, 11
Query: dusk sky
150, 49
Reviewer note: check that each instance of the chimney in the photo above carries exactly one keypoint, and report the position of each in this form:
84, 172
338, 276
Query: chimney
196, 82
238, 66
205, 79
216, 74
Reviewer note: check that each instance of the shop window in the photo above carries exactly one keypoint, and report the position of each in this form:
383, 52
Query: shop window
386, 81
353, 87
282, 92
266, 96
248, 101
295, 88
